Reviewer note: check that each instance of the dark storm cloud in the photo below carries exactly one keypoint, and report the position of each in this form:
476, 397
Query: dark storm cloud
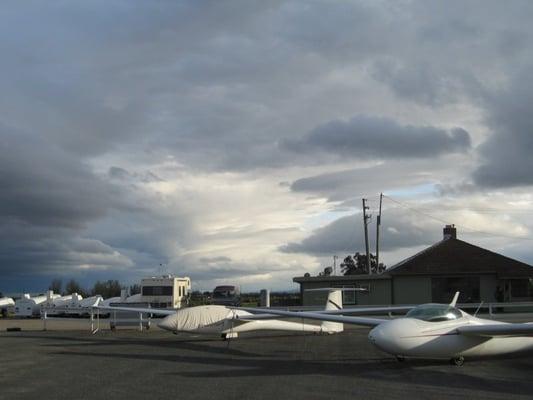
48, 198
146, 74
483, 60
422, 82
43, 185
506, 154
371, 137
51, 205
448, 52
345, 234
27, 250
121, 174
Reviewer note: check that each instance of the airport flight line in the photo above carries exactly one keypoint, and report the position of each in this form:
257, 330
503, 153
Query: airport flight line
432, 331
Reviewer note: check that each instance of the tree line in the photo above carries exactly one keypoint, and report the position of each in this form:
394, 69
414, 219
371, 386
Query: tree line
106, 289
357, 265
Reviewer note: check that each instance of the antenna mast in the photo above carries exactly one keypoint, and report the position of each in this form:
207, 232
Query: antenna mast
366, 221
378, 224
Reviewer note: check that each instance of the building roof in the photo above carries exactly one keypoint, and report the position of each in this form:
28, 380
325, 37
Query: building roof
454, 256
450, 256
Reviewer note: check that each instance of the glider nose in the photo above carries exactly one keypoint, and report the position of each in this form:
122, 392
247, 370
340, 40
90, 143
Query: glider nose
168, 323
378, 337
389, 336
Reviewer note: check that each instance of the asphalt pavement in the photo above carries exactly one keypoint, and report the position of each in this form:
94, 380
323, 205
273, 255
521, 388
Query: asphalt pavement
158, 365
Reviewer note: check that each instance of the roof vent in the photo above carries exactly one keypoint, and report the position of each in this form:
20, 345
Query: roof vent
449, 232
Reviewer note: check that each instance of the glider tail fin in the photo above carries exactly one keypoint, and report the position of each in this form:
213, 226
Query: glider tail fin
454, 300
334, 302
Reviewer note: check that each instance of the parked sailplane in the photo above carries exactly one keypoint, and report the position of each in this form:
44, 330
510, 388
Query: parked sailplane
431, 331
229, 322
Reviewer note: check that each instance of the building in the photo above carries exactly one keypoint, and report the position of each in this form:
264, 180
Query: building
433, 275
165, 291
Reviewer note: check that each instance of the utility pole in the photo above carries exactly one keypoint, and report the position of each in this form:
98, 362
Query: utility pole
378, 224
366, 221
335, 264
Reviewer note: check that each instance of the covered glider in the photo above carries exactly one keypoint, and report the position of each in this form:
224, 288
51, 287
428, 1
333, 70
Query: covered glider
433, 331
229, 322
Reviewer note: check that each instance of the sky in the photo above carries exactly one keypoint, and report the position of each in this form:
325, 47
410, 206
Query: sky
233, 141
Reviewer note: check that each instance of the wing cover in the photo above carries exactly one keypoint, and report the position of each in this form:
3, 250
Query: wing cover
491, 330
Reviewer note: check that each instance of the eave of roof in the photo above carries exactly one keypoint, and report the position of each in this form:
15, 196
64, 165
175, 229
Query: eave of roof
341, 278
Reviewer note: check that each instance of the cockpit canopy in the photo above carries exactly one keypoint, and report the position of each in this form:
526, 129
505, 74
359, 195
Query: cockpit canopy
434, 313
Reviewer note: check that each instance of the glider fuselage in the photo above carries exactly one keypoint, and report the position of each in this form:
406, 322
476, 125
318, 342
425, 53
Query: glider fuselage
411, 337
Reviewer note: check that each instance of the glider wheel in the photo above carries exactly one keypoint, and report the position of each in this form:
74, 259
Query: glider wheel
458, 361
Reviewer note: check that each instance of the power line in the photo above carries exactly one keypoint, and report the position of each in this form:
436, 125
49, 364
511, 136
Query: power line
459, 225
488, 210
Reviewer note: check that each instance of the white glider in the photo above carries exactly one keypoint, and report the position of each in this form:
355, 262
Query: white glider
433, 331
229, 322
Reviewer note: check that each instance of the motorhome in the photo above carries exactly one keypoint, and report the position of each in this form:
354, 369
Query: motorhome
165, 291
227, 295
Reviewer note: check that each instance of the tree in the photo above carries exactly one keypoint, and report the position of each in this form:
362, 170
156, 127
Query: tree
357, 265
74, 287
135, 289
56, 285
348, 266
110, 288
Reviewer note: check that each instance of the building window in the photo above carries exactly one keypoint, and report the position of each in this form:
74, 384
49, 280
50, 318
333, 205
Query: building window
348, 296
443, 289
157, 291
520, 288
365, 288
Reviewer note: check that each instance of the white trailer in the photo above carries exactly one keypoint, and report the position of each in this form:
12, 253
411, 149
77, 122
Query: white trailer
7, 304
92, 301
107, 302
29, 306
69, 304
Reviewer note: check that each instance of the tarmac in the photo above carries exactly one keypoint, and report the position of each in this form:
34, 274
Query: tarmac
128, 364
